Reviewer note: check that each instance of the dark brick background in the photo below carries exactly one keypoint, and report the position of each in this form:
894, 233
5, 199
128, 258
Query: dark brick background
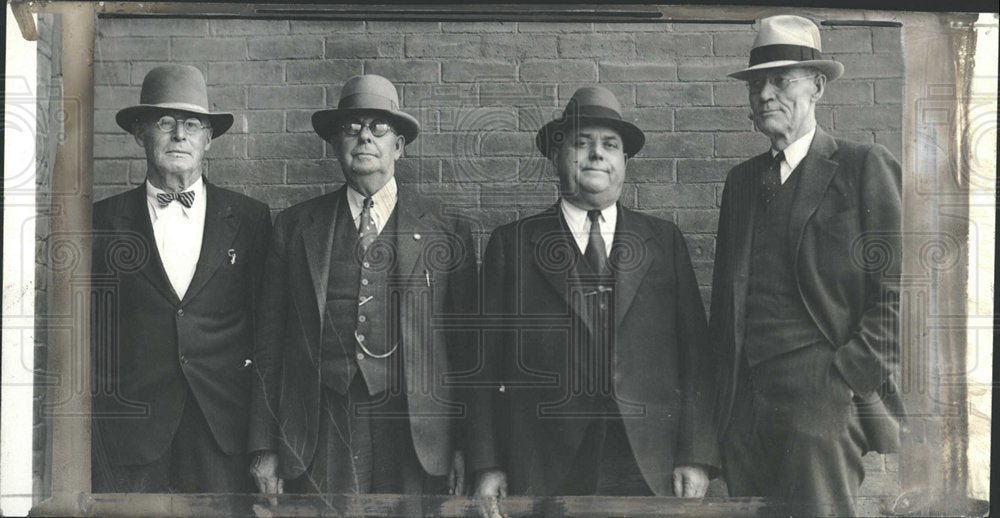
481, 91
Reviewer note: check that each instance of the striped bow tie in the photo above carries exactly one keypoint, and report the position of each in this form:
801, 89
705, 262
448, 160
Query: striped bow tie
186, 198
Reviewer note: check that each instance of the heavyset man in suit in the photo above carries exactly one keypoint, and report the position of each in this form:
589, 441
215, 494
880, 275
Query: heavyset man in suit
808, 330
176, 266
352, 395
599, 379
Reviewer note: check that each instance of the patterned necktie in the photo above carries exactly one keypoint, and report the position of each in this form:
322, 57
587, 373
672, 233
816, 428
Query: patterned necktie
367, 231
186, 198
770, 181
595, 252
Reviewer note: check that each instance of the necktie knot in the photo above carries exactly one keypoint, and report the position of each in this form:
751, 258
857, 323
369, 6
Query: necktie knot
185, 198
368, 203
594, 215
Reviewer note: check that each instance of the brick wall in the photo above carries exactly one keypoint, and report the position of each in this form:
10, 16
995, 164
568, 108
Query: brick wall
481, 91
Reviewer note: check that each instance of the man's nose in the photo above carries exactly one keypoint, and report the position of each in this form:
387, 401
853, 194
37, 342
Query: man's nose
179, 133
596, 153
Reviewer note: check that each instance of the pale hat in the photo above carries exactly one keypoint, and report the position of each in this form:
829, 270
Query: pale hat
590, 105
785, 41
174, 87
367, 92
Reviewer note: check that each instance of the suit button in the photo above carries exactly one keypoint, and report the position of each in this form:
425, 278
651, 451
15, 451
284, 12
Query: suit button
366, 264
360, 356
180, 312
364, 282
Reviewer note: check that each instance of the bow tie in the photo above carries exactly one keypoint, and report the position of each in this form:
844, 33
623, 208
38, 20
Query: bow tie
186, 198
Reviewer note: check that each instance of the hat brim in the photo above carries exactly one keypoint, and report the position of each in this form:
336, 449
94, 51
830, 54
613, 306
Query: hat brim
126, 118
325, 121
831, 69
555, 132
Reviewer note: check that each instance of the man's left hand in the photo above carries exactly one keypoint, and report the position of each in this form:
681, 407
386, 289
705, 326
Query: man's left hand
690, 481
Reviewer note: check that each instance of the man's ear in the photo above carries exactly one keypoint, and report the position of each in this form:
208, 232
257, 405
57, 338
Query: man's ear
820, 82
400, 144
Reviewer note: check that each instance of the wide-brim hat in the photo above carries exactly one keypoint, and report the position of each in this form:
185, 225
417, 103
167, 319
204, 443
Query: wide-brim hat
788, 41
174, 87
366, 93
590, 105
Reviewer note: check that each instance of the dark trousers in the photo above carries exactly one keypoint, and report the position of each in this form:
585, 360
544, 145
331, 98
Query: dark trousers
365, 446
193, 463
604, 463
794, 434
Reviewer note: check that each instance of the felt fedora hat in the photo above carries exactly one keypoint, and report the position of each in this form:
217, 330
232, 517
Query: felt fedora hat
363, 93
590, 105
174, 87
786, 41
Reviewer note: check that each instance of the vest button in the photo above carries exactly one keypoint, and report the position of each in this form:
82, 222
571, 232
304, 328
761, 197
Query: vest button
360, 356
361, 338
180, 312
366, 264
361, 318
364, 282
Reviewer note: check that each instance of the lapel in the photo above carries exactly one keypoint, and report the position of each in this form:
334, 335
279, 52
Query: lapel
413, 229
817, 170
552, 248
135, 218
221, 227
317, 240
745, 199
631, 236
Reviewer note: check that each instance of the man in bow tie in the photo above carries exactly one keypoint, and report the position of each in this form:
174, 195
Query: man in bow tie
177, 264
354, 394
597, 378
807, 324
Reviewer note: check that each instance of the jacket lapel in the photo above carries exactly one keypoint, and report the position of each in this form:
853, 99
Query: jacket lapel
553, 250
816, 172
135, 218
630, 239
317, 240
412, 229
220, 230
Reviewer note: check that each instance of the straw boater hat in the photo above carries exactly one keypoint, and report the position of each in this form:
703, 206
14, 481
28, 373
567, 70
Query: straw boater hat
785, 41
593, 105
174, 87
366, 93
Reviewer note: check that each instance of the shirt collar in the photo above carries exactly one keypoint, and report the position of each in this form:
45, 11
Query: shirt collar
199, 197
797, 150
384, 202
576, 217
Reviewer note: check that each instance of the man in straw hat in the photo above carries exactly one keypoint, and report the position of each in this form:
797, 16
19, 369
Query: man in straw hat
352, 282
805, 291
177, 262
599, 377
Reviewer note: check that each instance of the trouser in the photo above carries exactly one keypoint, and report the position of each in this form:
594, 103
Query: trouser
193, 463
604, 463
794, 434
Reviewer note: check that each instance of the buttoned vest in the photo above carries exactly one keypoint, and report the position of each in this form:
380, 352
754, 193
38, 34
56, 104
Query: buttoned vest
359, 309
777, 320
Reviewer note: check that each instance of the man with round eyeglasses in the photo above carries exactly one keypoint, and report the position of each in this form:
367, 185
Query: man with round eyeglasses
807, 328
178, 262
353, 281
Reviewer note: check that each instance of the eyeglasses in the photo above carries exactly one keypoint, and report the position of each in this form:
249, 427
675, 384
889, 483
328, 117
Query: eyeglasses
168, 123
378, 127
756, 84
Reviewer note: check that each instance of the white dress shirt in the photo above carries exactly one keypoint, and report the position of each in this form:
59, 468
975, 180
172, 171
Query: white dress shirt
178, 231
579, 224
794, 153
384, 201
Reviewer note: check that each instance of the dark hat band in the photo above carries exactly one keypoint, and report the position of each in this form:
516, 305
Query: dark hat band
769, 53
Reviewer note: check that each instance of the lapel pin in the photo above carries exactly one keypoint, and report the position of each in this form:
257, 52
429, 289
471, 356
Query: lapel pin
247, 362
232, 256
416, 236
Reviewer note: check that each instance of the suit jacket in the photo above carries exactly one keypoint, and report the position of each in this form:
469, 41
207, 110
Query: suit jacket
527, 422
150, 348
435, 258
845, 233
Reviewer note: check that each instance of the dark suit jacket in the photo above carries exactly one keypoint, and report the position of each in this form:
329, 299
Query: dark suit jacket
287, 392
150, 347
662, 373
845, 233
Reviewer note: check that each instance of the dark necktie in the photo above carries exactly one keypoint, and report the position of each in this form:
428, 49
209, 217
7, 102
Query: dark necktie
770, 181
595, 251
367, 231
186, 198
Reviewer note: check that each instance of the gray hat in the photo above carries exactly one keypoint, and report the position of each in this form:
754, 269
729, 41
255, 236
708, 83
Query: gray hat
366, 93
786, 41
174, 87
590, 105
